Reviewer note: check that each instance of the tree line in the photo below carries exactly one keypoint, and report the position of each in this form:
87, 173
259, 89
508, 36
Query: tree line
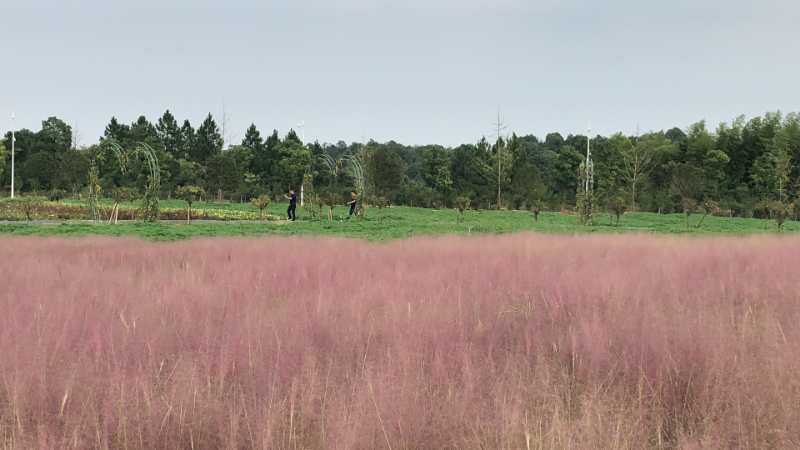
742, 166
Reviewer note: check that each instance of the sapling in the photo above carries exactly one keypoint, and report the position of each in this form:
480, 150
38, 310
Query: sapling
780, 212
689, 206
261, 202
709, 207
29, 205
536, 207
330, 200
189, 194
462, 204
120, 195
616, 207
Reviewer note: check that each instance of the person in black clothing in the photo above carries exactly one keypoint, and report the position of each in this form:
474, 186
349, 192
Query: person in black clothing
292, 205
353, 203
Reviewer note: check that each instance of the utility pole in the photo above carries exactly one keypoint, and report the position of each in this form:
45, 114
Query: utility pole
76, 136
500, 126
224, 125
13, 144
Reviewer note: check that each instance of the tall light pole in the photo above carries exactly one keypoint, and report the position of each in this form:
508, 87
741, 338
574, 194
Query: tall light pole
13, 145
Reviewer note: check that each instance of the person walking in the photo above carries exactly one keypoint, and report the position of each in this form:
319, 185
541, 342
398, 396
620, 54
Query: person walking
291, 211
353, 203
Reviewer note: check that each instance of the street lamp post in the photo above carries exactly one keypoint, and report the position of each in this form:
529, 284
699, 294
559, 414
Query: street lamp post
13, 144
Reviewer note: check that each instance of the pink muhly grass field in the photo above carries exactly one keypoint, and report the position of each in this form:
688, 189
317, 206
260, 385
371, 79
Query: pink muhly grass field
511, 342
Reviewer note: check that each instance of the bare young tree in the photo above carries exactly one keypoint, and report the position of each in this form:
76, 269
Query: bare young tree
639, 159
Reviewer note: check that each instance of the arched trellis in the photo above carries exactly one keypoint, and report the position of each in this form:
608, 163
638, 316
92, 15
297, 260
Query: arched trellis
354, 164
150, 207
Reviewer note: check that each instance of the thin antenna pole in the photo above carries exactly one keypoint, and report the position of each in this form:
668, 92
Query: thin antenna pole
224, 124
500, 127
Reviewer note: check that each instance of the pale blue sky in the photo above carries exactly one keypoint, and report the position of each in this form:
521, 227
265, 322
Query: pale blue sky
429, 71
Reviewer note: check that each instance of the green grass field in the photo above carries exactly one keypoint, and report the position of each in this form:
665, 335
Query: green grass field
395, 223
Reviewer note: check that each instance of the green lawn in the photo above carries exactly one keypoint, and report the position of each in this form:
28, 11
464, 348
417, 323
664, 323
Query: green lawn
396, 223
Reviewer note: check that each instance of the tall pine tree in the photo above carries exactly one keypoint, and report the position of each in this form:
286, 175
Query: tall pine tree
208, 141
252, 139
169, 134
187, 141
117, 131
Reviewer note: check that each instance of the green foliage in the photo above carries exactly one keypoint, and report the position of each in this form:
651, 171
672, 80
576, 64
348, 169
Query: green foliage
689, 206
781, 212
239, 219
616, 206
739, 164
640, 157
709, 207
27, 204
294, 162
252, 139
584, 205
436, 170
94, 189
261, 202
207, 141
380, 202
330, 199
55, 136
313, 205
462, 205
702, 153
3, 155
384, 169
227, 172
169, 135
190, 194
56, 194
40, 170
472, 173
150, 201
687, 182
536, 207
124, 194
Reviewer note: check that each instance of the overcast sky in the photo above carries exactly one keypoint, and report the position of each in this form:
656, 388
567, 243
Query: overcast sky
416, 71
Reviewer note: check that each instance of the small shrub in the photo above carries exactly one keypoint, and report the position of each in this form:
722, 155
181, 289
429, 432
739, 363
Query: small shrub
616, 207
709, 207
28, 205
56, 195
313, 205
689, 206
261, 202
330, 199
584, 206
781, 212
536, 208
462, 205
380, 202
189, 194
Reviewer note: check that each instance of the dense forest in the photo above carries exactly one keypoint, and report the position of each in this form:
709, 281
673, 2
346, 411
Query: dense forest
742, 167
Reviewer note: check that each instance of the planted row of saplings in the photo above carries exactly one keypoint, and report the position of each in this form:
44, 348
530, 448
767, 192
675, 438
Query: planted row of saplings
40, 209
